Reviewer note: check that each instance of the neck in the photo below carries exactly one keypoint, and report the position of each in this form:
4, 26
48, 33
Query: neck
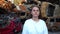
35, 18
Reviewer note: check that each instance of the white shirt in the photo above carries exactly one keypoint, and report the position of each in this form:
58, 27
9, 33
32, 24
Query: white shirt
33, 27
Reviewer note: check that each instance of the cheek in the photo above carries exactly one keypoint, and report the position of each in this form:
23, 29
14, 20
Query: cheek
38, 13
32, 13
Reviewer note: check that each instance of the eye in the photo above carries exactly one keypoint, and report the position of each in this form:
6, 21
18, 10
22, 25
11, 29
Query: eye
37, 10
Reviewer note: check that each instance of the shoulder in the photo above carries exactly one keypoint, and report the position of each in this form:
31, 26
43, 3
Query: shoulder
42, 21
27, 21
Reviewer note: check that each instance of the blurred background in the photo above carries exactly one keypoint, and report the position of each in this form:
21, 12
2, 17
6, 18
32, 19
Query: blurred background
13, 14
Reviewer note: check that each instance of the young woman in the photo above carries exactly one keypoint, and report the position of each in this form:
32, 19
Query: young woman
35, 25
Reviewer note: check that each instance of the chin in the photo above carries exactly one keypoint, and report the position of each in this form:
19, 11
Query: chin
35, 16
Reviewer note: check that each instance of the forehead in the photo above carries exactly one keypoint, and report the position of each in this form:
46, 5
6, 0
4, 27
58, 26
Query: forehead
35, 8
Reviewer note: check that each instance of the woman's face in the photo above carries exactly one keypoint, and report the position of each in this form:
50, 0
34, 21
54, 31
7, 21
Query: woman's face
35, 12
